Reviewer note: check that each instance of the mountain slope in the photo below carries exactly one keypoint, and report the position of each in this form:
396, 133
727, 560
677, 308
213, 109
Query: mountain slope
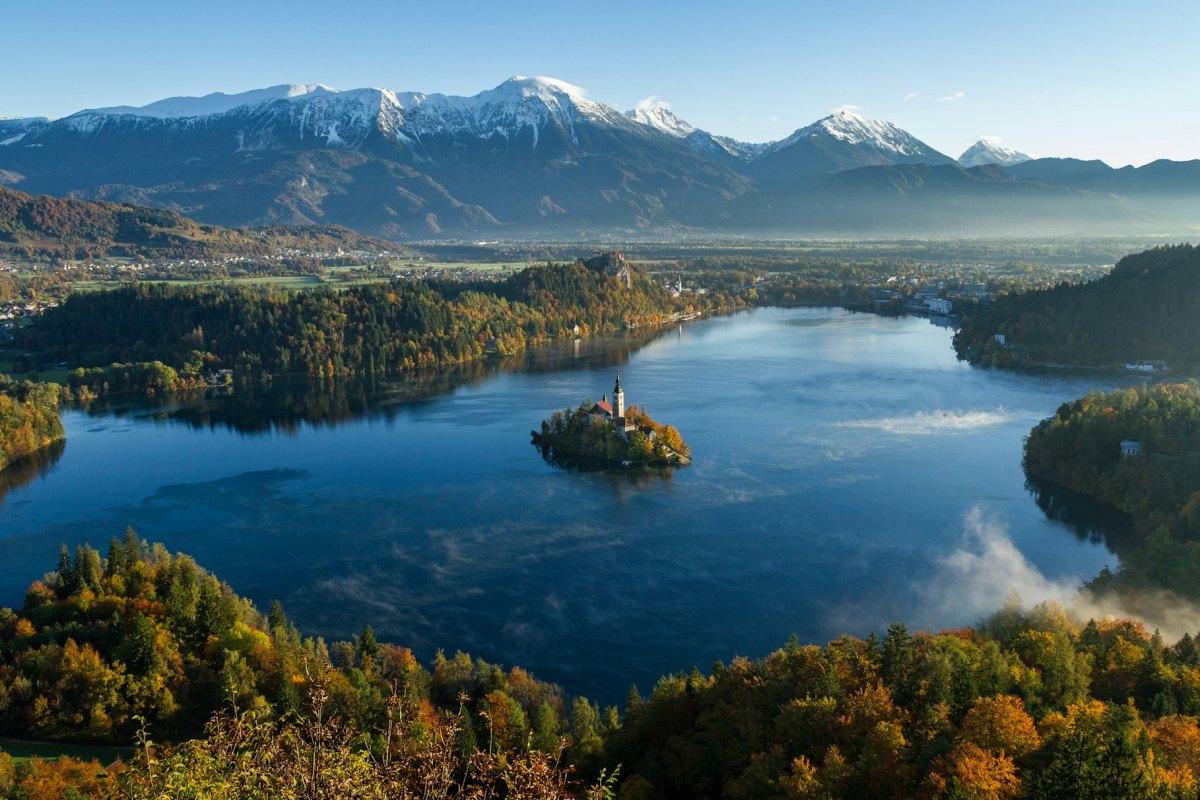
991, 151
844, 140
61, 227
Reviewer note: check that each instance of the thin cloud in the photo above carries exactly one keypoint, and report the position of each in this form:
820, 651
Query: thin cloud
914, 95
653, 103
853, 109
952, 97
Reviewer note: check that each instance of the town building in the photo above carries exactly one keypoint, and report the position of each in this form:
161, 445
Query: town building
1130, 448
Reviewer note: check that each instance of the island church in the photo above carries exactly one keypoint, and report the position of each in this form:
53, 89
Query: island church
614, 410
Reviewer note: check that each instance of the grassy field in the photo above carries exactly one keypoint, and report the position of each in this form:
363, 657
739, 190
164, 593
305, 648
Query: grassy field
282, 281
22, 750
334, 276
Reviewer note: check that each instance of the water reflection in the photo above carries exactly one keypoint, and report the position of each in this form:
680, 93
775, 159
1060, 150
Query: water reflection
287, 406
24, 471
1088, 520
635, 477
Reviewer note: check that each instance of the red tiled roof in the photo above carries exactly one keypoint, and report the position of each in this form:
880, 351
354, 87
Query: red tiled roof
604, 406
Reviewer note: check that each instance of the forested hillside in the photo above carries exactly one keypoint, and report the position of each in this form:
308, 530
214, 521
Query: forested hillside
1079, 448
1027, 705
361, 330
53, 227
1147, 309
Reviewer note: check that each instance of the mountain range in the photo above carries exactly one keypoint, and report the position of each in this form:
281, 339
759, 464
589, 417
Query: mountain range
537, 157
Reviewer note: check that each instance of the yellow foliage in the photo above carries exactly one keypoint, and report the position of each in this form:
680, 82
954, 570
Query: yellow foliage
979, 775
1000, 724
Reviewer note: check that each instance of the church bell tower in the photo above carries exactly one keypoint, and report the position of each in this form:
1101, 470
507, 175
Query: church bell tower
618, 401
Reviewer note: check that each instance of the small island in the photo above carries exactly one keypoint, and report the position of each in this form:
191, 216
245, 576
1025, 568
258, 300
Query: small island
608, 434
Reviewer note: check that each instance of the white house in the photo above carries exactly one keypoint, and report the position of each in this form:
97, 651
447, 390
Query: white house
1130, 448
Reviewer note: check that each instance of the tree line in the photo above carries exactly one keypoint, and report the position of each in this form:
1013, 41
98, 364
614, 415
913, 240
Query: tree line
326, 333
143, 645
1146, 309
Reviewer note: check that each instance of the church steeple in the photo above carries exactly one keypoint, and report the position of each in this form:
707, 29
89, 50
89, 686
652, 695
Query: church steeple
618, 400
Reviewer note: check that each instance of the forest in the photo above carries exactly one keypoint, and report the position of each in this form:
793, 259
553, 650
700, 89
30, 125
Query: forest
29, 421
576, 436
1079, 448
325, 333
1147, 309
143, 646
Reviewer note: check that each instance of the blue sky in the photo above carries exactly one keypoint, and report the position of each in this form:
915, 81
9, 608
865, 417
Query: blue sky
1099, 80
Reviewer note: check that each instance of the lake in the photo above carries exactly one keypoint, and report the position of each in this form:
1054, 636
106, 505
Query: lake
848, 471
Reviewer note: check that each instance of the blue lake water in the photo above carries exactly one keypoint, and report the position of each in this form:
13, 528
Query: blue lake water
848, 471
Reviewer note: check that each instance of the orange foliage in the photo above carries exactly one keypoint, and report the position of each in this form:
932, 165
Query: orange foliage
1000, 724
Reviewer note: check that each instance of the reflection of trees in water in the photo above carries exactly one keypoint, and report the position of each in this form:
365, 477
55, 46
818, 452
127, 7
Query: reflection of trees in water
284, 406
35, 466
1089, 520
619, 477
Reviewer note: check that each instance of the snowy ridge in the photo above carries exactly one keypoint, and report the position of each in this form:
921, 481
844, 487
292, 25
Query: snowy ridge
346, 118
657, 114
991, 150
14, 129
855, 129
520, 106
505, 111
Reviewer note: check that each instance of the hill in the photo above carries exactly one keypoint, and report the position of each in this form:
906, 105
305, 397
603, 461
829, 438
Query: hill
327, 333
1146, 309
1135, 450
54, 227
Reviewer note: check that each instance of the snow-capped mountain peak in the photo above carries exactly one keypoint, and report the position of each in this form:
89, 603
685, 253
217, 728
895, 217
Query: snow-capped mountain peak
853, 128
657, 113
991, 150
540, 87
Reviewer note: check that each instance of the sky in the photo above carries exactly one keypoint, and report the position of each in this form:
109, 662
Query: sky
1117, 81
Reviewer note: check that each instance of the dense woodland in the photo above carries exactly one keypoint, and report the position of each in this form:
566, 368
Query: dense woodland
1079, 448
576, 436
326, 333
29, 421
144, 646
1146, 309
